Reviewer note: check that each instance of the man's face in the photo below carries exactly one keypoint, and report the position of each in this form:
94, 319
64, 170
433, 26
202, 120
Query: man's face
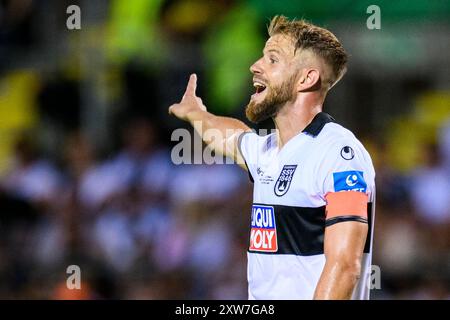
274, 79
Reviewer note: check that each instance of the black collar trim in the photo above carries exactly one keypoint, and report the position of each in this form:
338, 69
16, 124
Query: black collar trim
317, 124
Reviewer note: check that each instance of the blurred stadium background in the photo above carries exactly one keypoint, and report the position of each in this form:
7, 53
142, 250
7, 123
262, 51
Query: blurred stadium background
85, 170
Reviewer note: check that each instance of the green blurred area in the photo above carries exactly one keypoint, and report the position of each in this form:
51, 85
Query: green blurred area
321, 11
231, 48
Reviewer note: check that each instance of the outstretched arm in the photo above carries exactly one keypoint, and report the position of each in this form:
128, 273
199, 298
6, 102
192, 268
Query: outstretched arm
227, 130
343, 246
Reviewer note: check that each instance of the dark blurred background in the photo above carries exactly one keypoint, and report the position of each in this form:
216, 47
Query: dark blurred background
86, 176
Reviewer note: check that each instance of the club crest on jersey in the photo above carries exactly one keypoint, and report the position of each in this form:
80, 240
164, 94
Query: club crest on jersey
284, 180
263, 234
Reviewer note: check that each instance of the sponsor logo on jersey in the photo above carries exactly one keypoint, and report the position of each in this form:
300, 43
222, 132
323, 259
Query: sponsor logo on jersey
284, 180
349, 181
263, 234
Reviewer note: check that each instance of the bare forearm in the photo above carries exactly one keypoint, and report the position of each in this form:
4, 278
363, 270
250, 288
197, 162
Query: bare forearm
203, 121
336, 282
219, 133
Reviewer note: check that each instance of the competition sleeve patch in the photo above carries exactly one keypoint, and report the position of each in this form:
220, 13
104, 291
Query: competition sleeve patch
349, 181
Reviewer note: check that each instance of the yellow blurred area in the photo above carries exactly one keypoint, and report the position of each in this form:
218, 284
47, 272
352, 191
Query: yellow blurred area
190, 15
132, 30
410, 134
17, 109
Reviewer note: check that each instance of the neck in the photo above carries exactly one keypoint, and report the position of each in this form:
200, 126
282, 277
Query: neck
295, 116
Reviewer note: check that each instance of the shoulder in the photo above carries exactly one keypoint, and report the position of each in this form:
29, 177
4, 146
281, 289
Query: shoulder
334, 137
333, 132
338, 147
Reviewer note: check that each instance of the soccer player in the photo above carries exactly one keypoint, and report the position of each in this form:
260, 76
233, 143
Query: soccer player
311, 219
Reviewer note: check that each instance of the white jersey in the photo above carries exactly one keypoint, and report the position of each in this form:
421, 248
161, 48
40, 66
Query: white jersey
286, 251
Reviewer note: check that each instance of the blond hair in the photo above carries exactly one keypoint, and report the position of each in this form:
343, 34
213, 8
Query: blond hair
320, 41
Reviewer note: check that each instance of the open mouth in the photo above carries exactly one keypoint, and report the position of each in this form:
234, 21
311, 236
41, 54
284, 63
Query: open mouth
259, 87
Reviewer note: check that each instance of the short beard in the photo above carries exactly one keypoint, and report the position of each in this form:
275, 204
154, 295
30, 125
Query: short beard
277, 97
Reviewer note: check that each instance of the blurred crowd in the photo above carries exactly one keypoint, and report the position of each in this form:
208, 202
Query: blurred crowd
412, 226
137, 226
86, 176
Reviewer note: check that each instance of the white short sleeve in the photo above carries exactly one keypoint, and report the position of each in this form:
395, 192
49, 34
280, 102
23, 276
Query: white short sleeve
346, 166
252, 146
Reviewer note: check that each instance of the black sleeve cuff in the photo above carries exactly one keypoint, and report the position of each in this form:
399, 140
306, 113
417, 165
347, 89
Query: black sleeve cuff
239, 142
331, 221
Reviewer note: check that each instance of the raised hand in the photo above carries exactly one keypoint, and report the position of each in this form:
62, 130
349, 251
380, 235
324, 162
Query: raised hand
189, 103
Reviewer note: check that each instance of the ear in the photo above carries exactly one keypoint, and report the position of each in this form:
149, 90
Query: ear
309, 80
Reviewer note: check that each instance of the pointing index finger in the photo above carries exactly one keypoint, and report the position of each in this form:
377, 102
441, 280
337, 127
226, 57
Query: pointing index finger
192, 85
